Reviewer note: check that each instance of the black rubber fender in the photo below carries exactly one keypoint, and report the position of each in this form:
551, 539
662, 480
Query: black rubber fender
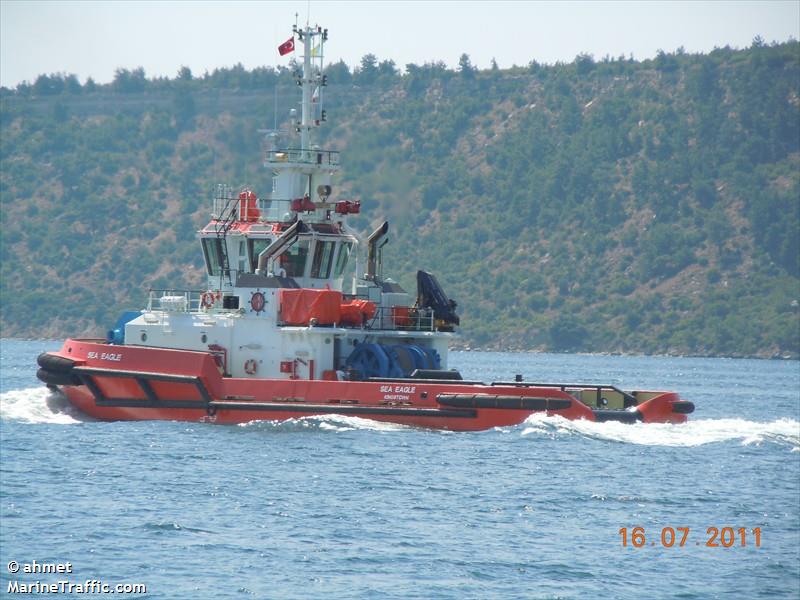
503, 402
620, 416
683, 407
435, 374
54, 363
56, 378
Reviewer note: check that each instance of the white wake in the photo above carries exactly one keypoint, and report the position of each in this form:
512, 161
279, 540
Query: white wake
693, 433
327, 423
39, 405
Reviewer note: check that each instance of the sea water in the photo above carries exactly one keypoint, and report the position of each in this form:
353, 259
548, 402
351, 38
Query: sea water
342, 507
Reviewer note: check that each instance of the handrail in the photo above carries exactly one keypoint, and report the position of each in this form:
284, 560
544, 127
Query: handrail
299, 155
172, 300
265, 209
583, 386
387, 318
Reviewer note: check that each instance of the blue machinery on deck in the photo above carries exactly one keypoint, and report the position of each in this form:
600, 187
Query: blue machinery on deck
378, 360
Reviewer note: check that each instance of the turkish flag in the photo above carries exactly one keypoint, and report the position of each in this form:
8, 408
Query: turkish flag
286, 47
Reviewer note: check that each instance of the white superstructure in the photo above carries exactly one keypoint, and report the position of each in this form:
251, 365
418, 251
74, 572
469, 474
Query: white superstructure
278, 265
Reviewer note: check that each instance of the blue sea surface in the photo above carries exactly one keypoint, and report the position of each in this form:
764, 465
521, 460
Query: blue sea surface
341, 507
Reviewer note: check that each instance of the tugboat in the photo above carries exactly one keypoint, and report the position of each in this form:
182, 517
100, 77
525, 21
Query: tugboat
275, 335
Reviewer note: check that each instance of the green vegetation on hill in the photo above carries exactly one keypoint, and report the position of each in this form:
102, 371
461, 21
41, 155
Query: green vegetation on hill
602, 206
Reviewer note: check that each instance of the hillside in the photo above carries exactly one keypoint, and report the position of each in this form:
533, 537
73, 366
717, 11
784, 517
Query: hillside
601, 206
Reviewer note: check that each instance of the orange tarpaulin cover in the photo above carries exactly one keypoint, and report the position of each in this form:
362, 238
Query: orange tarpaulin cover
357, 312
299, 306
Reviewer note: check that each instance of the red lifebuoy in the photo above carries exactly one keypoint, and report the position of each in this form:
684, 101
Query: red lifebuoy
207, 300
250, 366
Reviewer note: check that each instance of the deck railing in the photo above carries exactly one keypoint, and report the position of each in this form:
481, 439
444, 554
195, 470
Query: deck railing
401, 318
297, 155
389, 318
174, 300
226, 208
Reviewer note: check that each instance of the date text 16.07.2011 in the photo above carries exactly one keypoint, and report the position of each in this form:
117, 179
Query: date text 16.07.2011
715, 537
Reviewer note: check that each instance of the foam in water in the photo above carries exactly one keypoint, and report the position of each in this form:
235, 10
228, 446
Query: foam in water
39, 405
692, 433
327, 423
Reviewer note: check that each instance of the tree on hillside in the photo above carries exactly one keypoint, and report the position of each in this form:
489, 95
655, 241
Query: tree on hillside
129, 82
465, 67
584, 63
184, 108
367, 73
387, 69
185, 73
666, 63
338, 72
48, 85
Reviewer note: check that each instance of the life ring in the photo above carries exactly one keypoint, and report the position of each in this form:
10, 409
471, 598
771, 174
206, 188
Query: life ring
207, 300
250, 366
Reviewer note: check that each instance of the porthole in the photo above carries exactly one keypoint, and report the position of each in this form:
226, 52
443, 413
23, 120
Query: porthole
204, 338
143, 336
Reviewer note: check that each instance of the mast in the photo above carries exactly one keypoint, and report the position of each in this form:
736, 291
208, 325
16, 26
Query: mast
311, 81
301, 170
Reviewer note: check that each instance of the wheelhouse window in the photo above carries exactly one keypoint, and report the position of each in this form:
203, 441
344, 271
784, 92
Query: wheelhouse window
256, 247
242, 256
323, 257
212, 252
341, 259
293, 261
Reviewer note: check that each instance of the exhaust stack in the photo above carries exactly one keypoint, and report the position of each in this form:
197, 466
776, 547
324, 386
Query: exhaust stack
373, 248
285, 240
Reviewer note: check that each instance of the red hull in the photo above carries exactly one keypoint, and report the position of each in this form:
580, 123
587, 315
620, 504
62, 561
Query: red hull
140, 383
